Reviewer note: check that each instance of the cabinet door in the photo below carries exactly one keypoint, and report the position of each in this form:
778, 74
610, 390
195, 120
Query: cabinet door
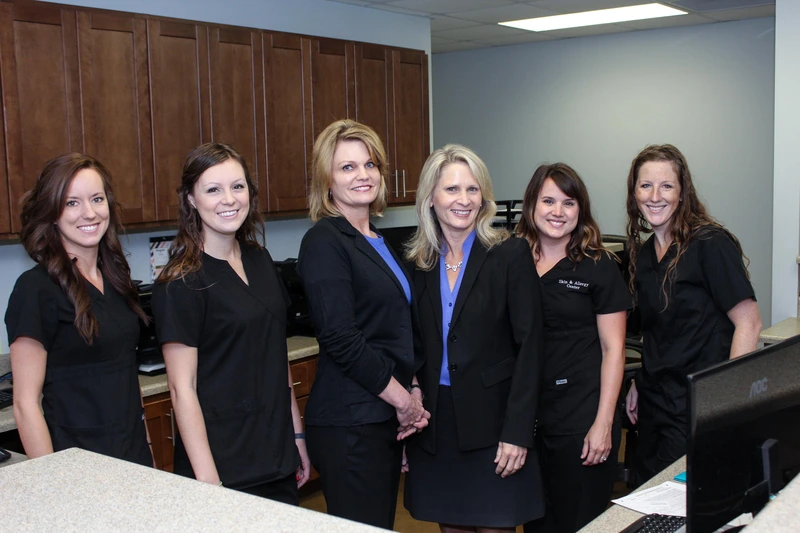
116, 106
5, 213
286, 75
179, 90
159, 418
237, 99
41, 91
332, 83
411, 123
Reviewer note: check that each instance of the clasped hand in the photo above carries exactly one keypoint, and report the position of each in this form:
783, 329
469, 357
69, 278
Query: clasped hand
412, 417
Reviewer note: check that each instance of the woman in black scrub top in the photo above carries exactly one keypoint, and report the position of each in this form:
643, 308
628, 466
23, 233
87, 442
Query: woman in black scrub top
481, 324
73, 320
360, 300
585, 308
697, 305
220, 311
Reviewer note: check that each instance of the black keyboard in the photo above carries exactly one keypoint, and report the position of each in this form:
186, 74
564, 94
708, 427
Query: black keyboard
6, 398
656, 523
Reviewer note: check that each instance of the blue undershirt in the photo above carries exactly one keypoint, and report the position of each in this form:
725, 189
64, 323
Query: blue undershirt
449, 301
388, 258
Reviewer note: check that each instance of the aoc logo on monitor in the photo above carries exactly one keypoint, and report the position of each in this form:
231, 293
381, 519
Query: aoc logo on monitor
758, 387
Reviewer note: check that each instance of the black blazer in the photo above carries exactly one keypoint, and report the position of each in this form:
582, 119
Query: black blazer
364, 325
494, 347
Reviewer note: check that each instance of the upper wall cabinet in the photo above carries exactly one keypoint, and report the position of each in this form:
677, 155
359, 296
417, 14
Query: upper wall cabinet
41, 91
115, 98
333, 84
179, 90
237, 99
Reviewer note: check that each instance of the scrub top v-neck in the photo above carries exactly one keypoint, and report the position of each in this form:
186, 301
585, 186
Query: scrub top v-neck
239, 330
572, 296
90, 395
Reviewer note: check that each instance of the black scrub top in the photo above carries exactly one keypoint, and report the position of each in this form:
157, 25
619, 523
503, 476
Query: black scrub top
239, 331
90, 396
694, 331
572, 296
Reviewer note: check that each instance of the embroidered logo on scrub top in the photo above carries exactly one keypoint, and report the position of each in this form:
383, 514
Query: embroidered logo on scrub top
561, 382
574, 284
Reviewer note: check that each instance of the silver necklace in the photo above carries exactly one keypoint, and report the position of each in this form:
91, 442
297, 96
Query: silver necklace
454, 268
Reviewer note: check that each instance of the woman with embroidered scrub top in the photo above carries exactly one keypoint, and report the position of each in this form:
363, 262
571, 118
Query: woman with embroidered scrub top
365, 398
73, 320
220, 312
480, 315
692, 287
585, 309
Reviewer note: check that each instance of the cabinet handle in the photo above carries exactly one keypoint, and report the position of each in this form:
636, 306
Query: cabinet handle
296, 383
171, 416
396, 184
404, 183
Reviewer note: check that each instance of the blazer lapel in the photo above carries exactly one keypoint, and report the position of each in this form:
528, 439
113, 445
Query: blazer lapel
476, 258
433, 295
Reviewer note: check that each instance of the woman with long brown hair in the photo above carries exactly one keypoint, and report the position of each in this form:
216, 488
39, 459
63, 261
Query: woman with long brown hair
692, 287
585, 301
220, 311
73, 319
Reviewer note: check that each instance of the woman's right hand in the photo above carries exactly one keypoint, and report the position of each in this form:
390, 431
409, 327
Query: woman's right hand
412, 417
632, 404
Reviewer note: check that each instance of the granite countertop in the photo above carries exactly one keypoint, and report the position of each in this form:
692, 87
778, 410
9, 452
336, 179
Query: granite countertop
782, 513
781, 331
76, 490
298, 348
617, 518
15, 458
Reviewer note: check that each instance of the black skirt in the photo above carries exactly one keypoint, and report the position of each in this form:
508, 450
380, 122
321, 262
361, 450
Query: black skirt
461, 488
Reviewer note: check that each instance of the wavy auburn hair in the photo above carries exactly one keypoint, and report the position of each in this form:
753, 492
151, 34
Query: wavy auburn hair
690, 220
42, 206
427, 243
320, 202
186, 251
586, 240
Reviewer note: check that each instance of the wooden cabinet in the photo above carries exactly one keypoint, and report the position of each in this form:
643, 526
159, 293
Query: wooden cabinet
160, 420
179, 90
115, 98
333, 93
41, 91
392, 98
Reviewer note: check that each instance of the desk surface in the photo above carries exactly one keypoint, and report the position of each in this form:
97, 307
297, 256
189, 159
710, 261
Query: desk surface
76, 490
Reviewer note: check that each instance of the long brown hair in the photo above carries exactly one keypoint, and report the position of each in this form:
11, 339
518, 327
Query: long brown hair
690, 220
585, 240
42, 207
186, 251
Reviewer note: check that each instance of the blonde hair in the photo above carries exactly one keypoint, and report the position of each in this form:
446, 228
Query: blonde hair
426, 245
320, 202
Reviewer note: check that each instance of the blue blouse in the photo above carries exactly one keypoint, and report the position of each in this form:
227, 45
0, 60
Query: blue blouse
386, 255
448, 298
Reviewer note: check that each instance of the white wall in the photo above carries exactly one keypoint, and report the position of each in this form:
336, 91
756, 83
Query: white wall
786, 203
594, 102
310, 17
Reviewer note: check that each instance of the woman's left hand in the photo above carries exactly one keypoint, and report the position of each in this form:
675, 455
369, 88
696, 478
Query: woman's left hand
597, 444
510, 458
304, 470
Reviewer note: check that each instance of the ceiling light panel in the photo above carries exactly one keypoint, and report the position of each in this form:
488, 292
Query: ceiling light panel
594, 18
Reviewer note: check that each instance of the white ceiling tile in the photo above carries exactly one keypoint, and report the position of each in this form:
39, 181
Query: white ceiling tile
398, 9
435, 41
353, 2
441, 22
457, 47
447, 6
741, 14
587, 31
576, 6
505, 13
529, 37
667, 22
484, 31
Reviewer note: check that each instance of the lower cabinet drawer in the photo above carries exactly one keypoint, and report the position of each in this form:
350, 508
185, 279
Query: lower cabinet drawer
303, 373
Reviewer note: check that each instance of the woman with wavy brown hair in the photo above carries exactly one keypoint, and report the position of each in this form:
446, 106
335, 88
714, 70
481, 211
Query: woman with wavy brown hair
220, 311
73, 319
692, 287
585, 306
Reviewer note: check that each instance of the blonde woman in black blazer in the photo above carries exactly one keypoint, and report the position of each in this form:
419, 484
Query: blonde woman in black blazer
362, 307
480, 316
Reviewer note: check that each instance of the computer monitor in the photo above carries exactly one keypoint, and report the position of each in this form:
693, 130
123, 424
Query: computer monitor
744, 434
397, 237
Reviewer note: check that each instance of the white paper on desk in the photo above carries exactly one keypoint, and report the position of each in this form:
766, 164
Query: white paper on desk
667, 498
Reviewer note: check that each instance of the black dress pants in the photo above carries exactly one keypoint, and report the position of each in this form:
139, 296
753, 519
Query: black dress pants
574, 494
359, 469
662, 434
